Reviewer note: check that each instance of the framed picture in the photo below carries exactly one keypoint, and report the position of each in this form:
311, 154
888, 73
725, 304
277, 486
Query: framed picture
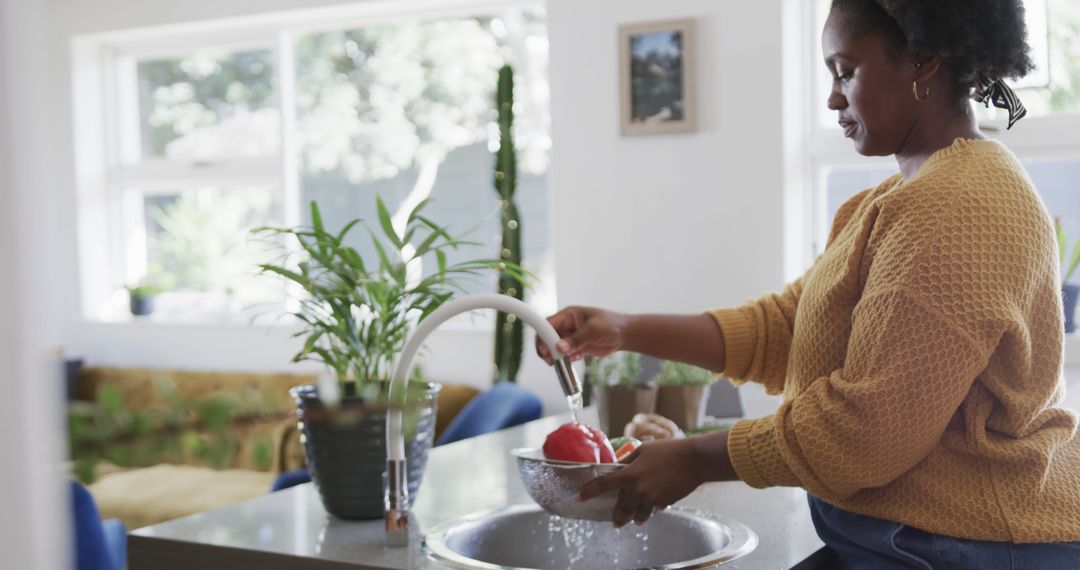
657, 81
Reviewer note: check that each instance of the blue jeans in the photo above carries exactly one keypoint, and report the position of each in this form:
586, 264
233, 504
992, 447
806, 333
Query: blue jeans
862, 542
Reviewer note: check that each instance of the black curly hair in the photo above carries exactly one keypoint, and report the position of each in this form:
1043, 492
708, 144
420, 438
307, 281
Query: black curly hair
975, 38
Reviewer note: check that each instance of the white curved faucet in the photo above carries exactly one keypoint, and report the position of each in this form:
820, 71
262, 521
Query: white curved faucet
396, 483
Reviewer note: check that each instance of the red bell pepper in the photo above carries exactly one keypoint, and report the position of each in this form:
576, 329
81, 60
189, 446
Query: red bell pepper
578, 442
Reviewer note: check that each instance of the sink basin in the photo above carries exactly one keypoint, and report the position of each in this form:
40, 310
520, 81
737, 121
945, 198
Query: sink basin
527, 537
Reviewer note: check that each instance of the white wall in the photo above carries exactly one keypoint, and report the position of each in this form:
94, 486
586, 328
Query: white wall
660, 223
673, 222
33, 533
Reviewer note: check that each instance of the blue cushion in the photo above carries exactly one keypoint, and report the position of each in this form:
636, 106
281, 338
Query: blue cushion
290, 479
116, 541
504, 405
98, 546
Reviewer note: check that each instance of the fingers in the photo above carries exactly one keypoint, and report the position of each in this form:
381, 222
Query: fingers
625, 508
642, 513
599, 486
543, 351
631, 507
585, 340
565, 322
569, 346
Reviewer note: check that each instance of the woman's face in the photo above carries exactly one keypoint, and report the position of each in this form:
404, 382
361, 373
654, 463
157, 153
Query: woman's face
871, 88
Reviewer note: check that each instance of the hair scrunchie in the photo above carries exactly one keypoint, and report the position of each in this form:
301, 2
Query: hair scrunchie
995, 91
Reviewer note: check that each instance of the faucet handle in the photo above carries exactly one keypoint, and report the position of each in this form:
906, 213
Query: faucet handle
396, 503
567, 378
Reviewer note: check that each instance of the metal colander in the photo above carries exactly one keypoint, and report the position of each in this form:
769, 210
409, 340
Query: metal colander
553, 484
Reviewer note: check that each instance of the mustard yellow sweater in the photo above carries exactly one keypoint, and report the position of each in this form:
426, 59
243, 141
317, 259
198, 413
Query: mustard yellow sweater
920, 359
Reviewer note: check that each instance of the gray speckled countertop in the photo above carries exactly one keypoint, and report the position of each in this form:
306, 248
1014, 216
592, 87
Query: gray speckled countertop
290, 529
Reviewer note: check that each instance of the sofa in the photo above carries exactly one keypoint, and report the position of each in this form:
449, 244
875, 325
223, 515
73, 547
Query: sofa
177, 481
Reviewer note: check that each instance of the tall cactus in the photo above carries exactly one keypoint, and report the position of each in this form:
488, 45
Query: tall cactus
508, 329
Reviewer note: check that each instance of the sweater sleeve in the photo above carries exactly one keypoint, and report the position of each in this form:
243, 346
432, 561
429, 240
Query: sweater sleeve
868, 423
757, 337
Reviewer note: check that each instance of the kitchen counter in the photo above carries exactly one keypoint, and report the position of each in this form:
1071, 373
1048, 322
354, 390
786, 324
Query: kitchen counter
290, 529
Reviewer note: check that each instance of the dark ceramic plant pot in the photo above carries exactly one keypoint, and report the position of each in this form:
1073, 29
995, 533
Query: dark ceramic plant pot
617, 405
683, 404
346, 446
1069, 294
142, 306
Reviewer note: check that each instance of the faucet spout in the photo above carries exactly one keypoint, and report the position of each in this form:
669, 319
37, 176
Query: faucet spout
396, 498
567, 378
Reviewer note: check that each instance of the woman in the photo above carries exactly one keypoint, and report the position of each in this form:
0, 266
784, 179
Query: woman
920, 356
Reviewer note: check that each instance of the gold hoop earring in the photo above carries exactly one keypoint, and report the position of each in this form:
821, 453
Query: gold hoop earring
915, 91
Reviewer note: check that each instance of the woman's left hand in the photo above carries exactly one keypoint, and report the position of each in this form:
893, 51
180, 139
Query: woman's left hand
662, 472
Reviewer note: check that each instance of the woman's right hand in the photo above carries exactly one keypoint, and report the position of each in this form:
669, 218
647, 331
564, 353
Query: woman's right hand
586, 331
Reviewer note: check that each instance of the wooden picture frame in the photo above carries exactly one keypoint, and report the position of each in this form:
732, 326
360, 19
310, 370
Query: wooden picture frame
658, 77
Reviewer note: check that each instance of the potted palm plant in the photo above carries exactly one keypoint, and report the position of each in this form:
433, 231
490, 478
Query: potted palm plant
141, 296
682, 394
620, 391
1069, 291
355, 316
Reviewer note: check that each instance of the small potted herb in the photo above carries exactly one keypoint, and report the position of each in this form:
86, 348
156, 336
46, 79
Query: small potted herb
682, 394
356, 315
620, 391
1069, 291
141, 297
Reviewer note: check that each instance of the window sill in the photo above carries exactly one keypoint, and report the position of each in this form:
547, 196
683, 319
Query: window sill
1072, 349
477, 322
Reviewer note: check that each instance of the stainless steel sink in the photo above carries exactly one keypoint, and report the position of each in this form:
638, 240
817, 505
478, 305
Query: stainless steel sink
527, 537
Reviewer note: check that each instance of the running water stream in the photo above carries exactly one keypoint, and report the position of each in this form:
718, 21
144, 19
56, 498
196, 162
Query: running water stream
574, 400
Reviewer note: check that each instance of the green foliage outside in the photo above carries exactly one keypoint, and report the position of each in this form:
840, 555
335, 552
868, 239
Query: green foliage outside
619, 369
377, 100
145, 288
185, 430
383, 101
1067, 268
678, 374
180, 96
1063, 93
372, 103
201, 241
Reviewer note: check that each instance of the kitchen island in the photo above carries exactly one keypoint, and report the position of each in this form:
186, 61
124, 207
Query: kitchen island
291, 530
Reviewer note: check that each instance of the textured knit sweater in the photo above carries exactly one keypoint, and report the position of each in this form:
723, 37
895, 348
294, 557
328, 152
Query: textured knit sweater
920, 359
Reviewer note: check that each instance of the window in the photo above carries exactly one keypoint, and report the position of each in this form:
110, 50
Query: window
1054, 36
405, 110
216, 129
1046, 141
184, 226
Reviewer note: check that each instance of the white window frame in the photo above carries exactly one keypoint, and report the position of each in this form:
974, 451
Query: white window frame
111, 178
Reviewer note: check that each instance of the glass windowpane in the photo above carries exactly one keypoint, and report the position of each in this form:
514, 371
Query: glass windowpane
406, 111
212, 104
198, 241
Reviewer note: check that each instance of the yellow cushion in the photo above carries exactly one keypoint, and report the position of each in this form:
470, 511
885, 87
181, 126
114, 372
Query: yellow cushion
138, 390
150, 495
452, 398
